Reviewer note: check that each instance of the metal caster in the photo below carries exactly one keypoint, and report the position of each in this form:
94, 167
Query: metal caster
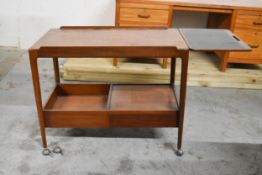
57, 150
46, 152
179, 152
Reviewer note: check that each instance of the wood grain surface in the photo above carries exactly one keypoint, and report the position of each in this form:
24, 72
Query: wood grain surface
98, 106
225, 4
143, 97
97, 38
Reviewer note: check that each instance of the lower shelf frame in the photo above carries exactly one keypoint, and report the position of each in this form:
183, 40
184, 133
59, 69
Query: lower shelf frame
106, 117
45, 115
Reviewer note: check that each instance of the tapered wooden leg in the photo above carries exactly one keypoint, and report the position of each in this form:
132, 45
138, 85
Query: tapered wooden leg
173, 71
56, 70
182, 102
165, 63
115, 61
223, 64
38, 98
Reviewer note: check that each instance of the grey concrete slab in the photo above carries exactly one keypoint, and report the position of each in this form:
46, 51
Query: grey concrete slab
223, 135
224, 115
16, 87
115, 154
8, 58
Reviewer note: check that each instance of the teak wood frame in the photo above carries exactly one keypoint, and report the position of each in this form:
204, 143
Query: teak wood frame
174, 119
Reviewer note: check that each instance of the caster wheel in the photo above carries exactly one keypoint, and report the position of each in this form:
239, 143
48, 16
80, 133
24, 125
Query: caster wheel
179, 152
46, 152
57, 150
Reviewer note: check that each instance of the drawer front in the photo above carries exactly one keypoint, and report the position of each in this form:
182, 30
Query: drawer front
143, 119
254, 40
249, 21
143, 17
143, 5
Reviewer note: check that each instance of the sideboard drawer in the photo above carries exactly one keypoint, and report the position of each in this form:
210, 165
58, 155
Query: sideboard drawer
144, 16
249, 21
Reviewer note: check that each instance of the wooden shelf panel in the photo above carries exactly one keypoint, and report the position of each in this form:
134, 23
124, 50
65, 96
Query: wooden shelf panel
143, 98
95, 97
77, 106
103, 106
80, 102
78, 97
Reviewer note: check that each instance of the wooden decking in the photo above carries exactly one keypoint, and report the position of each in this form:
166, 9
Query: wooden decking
203, 71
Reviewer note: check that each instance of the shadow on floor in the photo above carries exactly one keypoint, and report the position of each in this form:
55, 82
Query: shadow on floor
107, 132
144, 60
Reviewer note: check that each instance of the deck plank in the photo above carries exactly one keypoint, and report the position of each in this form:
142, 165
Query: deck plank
203, 71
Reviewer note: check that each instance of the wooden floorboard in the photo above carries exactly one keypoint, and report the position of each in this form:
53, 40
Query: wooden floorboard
203, 71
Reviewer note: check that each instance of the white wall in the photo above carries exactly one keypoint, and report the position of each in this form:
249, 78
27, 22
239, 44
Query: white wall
22, 22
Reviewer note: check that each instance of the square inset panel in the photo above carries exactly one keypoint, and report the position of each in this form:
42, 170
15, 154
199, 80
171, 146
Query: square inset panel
143, 98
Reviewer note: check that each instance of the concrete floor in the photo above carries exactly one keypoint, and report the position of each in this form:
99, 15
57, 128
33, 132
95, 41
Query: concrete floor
222, 135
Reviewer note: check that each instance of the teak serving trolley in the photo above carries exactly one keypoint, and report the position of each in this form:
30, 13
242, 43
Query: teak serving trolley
116, 105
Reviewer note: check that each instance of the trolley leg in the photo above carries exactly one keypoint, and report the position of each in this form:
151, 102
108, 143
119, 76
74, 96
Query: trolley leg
182, 103
38, 98
56, 70
223, 64
173, 70
165, 63
115, 61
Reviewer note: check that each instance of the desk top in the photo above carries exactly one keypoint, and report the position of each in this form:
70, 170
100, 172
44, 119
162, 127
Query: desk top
110, 42
221, 4
213, 40
107, 38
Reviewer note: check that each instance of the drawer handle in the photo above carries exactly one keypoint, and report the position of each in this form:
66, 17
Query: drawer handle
144, 16
257, 23
254, 46
236, 38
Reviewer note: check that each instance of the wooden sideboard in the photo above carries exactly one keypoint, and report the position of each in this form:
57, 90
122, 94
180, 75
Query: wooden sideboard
243, 17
